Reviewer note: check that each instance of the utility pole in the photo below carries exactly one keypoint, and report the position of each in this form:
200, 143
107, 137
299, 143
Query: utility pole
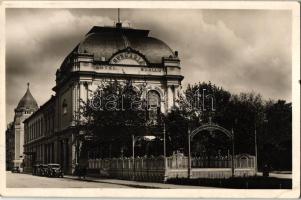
255, 138
189, 154
164, 140
133, 154
133, 146
233, 152
255, 143
164, 152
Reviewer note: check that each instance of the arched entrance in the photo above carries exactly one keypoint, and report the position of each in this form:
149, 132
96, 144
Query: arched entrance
209, 127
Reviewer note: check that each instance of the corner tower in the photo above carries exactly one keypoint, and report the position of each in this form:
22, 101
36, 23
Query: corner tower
26, 106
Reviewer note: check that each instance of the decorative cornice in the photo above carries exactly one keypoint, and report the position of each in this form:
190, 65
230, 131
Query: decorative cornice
74, 75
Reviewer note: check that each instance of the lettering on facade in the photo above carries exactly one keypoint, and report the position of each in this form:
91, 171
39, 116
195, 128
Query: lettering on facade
144, 69
105, 67
114, 68
128, 58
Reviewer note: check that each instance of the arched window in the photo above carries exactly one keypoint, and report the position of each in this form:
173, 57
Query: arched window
65, 107
153, 100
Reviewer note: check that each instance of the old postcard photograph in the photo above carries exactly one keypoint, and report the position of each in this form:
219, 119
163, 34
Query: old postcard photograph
150, 99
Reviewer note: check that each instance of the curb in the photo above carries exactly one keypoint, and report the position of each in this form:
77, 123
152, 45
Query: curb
124, 184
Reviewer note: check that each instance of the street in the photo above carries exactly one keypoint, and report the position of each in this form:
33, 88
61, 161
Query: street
16, 180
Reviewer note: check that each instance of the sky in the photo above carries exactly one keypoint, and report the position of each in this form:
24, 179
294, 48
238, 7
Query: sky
240, 50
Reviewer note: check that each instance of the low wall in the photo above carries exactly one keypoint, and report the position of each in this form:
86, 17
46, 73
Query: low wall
210, 173
143, 169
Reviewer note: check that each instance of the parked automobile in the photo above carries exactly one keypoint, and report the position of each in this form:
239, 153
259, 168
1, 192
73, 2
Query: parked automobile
43, 170
38, 172
15, 170
55, 170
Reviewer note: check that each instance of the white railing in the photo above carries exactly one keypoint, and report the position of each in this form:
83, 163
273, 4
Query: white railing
156, 169
127, 163
173, 162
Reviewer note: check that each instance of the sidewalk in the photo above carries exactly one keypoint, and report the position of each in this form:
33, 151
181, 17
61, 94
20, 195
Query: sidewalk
136, 184
277, 175
154, 185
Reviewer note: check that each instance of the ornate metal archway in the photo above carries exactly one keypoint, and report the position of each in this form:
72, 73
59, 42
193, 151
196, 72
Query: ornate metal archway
209, 127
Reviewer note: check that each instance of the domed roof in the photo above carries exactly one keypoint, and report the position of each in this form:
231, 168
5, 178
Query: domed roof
27, 101
103, 42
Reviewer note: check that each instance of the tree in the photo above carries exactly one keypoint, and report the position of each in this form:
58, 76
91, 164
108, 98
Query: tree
113, 113
199, 103
276, 140
116, 110
244, 113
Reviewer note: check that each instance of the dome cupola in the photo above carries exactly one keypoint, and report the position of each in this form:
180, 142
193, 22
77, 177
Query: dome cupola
121, 50
104, 42
27, 102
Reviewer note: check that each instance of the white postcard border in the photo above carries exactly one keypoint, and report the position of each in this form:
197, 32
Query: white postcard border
160, 193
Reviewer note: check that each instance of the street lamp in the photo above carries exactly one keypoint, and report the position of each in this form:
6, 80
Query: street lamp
164, 151
255, 138
133, 145
164, 140
255, 143
133, 154
256, 154
189, 153
188, 118
233, 153
189, 148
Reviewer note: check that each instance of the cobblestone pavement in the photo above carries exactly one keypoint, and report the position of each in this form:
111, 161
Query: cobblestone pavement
16, 180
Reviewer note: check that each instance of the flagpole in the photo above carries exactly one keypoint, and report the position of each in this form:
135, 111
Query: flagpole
164, 140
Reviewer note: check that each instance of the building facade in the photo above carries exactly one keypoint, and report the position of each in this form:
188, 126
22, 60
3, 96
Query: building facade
39, 136
10, 146
104, 54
